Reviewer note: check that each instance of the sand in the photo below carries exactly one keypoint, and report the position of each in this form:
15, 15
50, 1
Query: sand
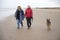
38, 30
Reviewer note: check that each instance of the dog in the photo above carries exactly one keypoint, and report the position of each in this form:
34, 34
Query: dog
48, 24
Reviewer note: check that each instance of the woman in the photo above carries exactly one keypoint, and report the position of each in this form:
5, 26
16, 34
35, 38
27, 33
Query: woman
29, 16
19, 16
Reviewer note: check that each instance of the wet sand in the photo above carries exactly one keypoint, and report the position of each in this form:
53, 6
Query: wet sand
38, 30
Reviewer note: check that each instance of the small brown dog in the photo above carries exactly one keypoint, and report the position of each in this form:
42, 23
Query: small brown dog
48, 24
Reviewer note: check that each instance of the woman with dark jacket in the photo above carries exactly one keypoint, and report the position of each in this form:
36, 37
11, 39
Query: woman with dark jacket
29, 16
19, 16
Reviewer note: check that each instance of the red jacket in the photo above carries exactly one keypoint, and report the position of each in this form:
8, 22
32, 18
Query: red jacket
28, 13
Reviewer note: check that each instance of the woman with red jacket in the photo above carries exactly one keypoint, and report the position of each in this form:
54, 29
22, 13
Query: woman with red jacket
29, 16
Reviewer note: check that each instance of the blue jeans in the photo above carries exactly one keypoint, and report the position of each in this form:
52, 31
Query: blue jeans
19, 22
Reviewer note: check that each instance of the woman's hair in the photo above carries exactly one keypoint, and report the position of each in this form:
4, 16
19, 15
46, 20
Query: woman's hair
18, 7
29, 6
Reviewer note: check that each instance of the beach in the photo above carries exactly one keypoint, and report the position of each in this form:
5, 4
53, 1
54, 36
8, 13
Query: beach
38, 30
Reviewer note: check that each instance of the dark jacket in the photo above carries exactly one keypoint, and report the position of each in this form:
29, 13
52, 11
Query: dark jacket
19, 14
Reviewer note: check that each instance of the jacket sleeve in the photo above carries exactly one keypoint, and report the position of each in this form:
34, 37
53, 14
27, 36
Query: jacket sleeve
16, 14
23, 13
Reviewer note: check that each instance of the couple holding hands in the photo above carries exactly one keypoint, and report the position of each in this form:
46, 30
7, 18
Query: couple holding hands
20, 15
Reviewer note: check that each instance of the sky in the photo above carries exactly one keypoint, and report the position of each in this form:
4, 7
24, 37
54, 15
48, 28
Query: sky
32, 3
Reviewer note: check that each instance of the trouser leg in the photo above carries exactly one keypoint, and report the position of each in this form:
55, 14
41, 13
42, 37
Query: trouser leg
27, 22
21, 23
30, 22
18, 25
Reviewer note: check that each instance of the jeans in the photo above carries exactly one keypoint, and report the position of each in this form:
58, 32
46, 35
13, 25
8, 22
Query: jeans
19, 22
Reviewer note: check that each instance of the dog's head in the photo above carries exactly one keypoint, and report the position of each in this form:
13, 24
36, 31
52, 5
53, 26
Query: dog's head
48, 19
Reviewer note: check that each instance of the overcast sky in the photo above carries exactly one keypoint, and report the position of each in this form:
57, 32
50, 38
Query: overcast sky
32, 3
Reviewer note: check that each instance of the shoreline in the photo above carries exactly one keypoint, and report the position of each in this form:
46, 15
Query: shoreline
7, 12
